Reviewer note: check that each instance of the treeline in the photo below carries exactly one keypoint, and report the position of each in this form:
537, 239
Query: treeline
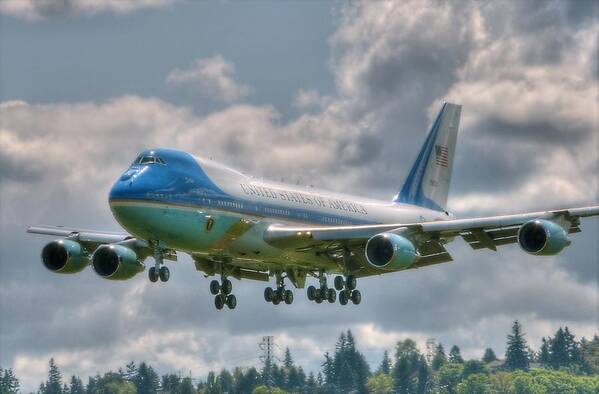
561, 365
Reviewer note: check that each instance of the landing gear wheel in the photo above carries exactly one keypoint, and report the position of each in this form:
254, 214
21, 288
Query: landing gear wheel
351, 282
339, 283
356, 297
219, 302
343, 298
318, 299
332, 296
231, 301
311, 293
214, 287
288, 297
269, 294
276, 300
152, 274
227, 286
323, 293
164, 274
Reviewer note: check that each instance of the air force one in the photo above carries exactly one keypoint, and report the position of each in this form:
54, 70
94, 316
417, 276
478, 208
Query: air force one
236, 226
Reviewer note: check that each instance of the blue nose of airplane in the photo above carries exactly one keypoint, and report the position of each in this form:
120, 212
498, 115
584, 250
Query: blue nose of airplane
134, 183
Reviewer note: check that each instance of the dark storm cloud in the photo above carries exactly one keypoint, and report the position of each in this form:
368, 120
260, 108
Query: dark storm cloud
35, 10
489, 167
15, 169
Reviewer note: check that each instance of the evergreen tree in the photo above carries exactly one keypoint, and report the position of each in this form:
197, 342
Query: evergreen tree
9, 384
385, 366
455, 355
146, 380
407, 365
320, 380
403, 380
439, 358
423, 376
516, 355
288, 360
76, 386
572, 348
54, 383
327, 378
489, 356
187, 386
301, 379
226, 381
245, 382
558, 353
311, 384
292, 382
349, 367
130, 372
171, 383
92, 385
278, 376
544, 358
212, 384
590, 355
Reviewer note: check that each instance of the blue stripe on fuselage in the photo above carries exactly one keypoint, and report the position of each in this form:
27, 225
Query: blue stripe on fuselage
182, 182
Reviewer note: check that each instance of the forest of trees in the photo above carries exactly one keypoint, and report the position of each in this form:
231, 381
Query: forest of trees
561, 365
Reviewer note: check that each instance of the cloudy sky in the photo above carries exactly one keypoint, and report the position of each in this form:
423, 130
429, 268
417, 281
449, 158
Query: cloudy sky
337, 95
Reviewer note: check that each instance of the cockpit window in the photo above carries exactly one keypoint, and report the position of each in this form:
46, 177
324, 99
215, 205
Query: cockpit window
149, 159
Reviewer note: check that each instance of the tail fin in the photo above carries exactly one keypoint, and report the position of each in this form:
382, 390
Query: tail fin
427, 184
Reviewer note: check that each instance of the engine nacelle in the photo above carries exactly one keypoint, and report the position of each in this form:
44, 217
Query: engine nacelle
389, 251
116, 262
64, 256
542, 237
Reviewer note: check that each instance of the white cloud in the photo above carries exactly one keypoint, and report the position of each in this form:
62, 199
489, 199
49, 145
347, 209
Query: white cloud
214, 77
307, 99
36, 10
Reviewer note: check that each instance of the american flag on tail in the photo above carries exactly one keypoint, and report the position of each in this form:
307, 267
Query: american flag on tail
442, 155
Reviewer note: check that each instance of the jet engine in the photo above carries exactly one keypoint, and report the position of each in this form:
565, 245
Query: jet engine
116, 262
389, 251
542, 237
64, 256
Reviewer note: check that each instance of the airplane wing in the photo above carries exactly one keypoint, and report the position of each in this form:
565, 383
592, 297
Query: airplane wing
428, 237
94, 238
91, 236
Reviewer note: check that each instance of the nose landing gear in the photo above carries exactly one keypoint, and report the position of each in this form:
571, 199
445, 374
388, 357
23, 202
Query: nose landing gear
159, 270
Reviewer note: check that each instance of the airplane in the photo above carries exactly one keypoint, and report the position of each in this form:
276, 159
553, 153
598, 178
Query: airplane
236, 226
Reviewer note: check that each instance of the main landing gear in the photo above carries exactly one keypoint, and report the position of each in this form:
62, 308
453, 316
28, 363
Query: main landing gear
280, 294
347, 291
159, 270
222, 293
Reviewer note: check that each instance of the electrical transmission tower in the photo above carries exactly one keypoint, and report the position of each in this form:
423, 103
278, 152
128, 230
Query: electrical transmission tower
267, 356
431, 349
